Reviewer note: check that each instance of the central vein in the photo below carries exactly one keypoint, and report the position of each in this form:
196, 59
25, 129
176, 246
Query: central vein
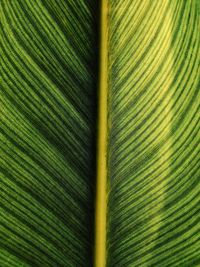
101, 202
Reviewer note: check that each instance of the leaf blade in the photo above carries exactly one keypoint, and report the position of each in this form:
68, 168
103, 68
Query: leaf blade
47, 132
154, 133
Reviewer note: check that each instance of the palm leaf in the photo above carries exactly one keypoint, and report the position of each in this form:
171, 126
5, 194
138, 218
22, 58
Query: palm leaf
147, 176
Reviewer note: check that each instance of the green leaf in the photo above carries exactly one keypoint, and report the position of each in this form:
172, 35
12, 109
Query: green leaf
121, 74
154, 134
47, 129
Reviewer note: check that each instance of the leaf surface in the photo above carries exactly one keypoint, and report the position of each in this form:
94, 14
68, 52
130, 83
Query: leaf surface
153, 169
48, 95
148, 124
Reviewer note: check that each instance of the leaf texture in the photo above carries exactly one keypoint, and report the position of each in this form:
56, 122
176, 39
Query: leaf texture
47, 132
153, 164
49, 52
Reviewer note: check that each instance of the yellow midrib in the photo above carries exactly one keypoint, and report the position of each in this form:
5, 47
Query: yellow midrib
101, 202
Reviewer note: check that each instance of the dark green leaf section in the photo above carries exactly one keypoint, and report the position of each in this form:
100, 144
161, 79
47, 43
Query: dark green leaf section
154, 177
47, 131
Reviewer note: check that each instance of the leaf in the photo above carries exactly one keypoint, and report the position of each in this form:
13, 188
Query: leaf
138, 61
153, 168
47, 132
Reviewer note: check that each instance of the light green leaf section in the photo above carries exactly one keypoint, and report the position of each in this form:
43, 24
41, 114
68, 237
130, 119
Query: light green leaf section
47, 132
153, 164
